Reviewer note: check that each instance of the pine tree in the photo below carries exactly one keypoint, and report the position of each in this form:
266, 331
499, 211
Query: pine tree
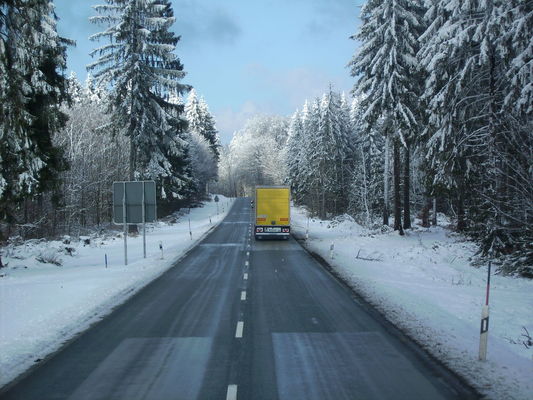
193, 113
201, 121
210, 131
366, 191
481, 116
32, 87
389, 81
309, 124
517, 17
325, 154
294, 154
143, 72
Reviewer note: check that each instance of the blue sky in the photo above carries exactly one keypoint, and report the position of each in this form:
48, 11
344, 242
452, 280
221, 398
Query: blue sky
245, 56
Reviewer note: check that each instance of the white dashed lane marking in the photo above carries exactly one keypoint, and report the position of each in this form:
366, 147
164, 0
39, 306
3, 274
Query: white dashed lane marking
232, 392
238, 331
243, 295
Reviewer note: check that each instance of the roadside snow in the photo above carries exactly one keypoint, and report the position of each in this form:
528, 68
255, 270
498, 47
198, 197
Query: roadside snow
424, 284
42, 305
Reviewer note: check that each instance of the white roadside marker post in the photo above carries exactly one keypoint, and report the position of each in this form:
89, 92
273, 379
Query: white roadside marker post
331, 248
484, 331
124, 215
144, 223
161, 248
190, 231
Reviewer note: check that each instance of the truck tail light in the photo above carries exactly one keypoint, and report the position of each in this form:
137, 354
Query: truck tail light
259, 230
285, 230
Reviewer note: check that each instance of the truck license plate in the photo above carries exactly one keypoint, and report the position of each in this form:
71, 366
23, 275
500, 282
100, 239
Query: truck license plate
273, 230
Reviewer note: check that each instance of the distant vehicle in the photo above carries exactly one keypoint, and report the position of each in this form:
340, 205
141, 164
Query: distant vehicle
272, 212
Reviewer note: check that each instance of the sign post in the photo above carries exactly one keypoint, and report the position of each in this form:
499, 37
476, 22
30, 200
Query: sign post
134, 203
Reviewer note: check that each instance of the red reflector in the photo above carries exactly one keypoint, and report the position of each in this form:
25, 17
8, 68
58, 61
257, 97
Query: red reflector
261, 219
285, 230
259, 229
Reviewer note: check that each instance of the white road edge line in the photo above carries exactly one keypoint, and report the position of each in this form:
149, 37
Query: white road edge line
246, 264
238, 331
232, 392
243, 295
245, 276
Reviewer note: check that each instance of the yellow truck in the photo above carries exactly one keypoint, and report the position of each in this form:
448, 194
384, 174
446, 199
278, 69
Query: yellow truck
272, 212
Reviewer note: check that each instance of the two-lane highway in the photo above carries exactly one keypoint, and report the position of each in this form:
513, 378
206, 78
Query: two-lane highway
238, 319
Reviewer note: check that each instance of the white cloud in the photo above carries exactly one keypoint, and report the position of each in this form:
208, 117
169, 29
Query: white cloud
230, 120
198, 23
296, 85
290, 87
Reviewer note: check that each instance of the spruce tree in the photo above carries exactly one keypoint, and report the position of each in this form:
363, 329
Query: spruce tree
480, 115
143, 72
32, 87
389, 81
307, 180
210, 132
193, 113
366, 191
201, 121
294, 153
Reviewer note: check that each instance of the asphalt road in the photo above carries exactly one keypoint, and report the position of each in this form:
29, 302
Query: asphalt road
239, 319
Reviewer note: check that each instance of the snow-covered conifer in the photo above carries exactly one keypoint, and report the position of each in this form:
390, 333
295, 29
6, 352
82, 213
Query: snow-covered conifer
193, 113
472, 145
366, 191
294, 154
210, 131
32, 87
201, 121
389, 80
142, 69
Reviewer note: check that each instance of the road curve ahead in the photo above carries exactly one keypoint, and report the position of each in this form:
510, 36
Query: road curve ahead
238, 319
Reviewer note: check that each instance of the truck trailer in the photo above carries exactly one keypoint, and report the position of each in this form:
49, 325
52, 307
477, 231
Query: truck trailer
272, 212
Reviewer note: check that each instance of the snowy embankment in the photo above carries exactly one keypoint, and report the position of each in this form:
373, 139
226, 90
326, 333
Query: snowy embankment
42, 305
424, 284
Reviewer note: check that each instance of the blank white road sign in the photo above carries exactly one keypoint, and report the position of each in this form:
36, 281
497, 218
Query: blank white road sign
136, 199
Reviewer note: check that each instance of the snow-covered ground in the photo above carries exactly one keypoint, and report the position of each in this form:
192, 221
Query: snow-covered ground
423, 283
42, 304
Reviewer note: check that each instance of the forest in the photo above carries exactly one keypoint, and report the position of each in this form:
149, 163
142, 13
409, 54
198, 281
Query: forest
438, 121
65, 142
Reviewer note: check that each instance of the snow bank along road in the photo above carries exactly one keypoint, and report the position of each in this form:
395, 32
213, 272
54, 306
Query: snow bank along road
237, 319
